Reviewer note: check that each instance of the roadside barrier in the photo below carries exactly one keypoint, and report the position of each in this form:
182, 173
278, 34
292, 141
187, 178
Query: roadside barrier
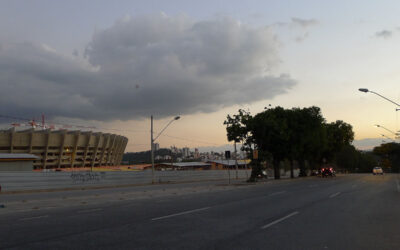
28, 181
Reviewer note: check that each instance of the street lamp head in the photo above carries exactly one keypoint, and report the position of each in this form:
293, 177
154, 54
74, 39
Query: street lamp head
177, 117
377, 125
363, 90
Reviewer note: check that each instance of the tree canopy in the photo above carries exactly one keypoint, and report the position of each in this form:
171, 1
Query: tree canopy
297, 134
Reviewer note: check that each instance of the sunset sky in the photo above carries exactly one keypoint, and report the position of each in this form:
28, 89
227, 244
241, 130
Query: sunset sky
112, 64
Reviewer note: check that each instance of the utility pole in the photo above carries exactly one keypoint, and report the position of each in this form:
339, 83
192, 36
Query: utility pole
152, 152
236, 163
152, 144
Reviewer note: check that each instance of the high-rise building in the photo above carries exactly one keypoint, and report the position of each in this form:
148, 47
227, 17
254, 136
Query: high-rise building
196, 153
185, 152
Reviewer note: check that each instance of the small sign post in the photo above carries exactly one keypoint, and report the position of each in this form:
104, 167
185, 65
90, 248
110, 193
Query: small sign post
227, 157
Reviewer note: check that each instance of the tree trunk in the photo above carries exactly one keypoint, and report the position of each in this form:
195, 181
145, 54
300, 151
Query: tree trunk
255, 170
291, 169
302, 167
277, 173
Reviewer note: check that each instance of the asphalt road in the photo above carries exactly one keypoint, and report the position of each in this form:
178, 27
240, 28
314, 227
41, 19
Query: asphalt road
347, 212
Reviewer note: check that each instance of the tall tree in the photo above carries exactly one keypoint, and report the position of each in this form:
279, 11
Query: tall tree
390, 155
339, 135
271, 134
307, 136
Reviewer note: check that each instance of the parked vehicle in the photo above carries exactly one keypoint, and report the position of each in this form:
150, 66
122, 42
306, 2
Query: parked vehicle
377, 170
328, 172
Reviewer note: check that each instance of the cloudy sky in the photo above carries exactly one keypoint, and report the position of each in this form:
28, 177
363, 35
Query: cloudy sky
112, 64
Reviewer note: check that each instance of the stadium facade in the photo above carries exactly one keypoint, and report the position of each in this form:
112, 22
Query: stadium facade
65, 149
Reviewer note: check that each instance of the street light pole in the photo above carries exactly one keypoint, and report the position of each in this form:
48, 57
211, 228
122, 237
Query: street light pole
152, 152
387, 137
387, 99
152, 145
380, 126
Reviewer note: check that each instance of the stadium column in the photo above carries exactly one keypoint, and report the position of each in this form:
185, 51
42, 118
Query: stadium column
31, 141
110, 148
46, 150
120, 146
87, 148
60, 158
98, 135
115, 152
78, 134
123, 149
104, 146
12, 135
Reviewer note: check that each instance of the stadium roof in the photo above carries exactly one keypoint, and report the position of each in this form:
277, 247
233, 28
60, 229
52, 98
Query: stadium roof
230, 162
12, 156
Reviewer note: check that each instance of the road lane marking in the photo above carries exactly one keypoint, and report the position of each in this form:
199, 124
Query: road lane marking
279, 220
33, 218
90, 210
276, 193
181, 213
334, 195
313, 185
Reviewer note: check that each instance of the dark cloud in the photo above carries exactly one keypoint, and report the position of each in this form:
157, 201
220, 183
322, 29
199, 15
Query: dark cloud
384, 34
147, 65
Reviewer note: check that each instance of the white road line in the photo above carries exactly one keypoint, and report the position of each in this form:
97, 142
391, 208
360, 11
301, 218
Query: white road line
276, 193
181, 213
33, 218
279, 220
90, 210
313, 185
334, 195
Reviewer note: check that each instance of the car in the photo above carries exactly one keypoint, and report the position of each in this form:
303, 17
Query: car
377, 170
328, 172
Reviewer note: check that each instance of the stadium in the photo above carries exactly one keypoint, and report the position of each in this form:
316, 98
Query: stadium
63, 148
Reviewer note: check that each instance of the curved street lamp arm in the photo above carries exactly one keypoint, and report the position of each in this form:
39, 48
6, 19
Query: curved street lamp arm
387, 99
380, 126
163, 130
388, 137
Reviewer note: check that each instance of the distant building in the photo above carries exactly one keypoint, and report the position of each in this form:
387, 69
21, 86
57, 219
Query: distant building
185, 152
174, 150
225, 164
156, 146
184, 166
196, 153
65, 149
17, 162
